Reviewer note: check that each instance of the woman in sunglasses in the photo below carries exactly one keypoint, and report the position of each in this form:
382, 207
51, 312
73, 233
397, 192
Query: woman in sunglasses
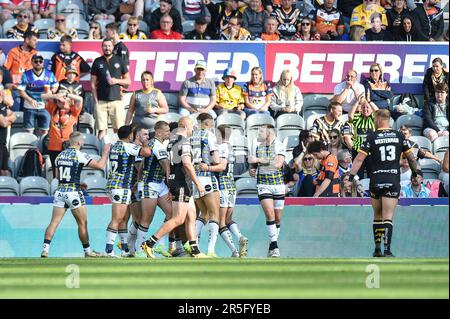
95, 32
378, 90
306, 173
305, 31
335, 144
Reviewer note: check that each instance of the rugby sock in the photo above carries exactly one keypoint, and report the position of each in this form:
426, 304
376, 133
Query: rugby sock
194, 247
228, 238
278, 230
133, 229
87, 248
199, 223
110, 239
388, 228
140, 237
272, 230
378, 231
213, 227
123, 233
152, 241
171, 243
46, 246
233, 227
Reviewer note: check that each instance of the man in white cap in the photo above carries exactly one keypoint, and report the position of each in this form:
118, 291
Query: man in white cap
198, 94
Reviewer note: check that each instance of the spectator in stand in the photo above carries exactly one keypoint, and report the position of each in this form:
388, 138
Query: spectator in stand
257, 93
43, 9
378, 90
305, 31
70, 85
444, 172
408, 31
65, 58
350, 188
23, 25
63, 109
328, 179
131, 8
361, 15
36, 82
221, 13
270, 30
146, 104
305, 137
165, 32
234, 31
419, 152
306, 171
107, 96
165, 7
95, 31
435, 114
348, 91
415, 189
322, 126
377, 33
198, 94
200, 31
132, 32
120, 49
335, 144
103, 9
395, 16
345, 161
430, 19
328, 21
229, 98
7, 117
61, 29
433, 76
288, 18
405, 172
253, 18
193, 9
10, 9
286, 97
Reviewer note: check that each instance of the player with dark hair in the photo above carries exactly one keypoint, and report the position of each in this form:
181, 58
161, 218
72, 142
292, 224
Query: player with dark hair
121, 157
266, 163
69, 164
182, 175
385, 147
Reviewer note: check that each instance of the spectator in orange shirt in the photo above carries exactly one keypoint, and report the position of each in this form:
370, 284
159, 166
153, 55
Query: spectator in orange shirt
165, 32
328, 179
64, 110
270, 30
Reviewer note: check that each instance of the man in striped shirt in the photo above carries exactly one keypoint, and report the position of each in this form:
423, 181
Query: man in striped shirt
362, 120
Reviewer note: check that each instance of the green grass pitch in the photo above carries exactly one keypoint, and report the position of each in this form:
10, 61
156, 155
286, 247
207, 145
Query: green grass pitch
223, 278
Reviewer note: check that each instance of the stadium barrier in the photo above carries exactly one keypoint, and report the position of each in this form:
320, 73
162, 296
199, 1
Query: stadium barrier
316, 66
315, 228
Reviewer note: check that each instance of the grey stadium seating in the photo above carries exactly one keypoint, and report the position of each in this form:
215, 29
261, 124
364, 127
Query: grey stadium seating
34, 186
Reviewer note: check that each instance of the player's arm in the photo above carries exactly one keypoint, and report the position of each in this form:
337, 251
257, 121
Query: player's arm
100, 164
165, 164
412, 163
187, 165
131, 109
94, 88
357, 163
217, 168
139, 166
279, 162
145, 151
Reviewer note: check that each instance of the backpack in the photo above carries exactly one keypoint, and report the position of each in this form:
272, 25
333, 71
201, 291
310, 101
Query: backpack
32, 164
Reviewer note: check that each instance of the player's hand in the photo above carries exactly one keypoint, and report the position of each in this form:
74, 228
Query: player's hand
201, 190
113, 81
83, 186
203, 167
169, 197
252, 172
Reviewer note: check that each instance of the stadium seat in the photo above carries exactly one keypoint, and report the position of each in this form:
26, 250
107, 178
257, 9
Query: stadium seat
430, 168
290, 122
169, 117
91, 144
315, 102
43, 25
440, 145
311, 117
290, 142
283, 135
246, 187
8, 186
48, 169
70, 6
142, 26
231, 119
20, 143
103, 24
11, 168
53, 186
96, 186
90, 172
188, 26
78, 22
17, 162
172, 101
34, 186
254, 121
86, 123
365, 182
239, 144
126, 99
8, 24
412, 121
423, 142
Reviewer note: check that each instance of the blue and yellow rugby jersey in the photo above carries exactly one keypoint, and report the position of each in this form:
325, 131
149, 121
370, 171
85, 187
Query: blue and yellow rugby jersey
226, 178
152, 172
203, 144
122, 158
69, 164
268, 174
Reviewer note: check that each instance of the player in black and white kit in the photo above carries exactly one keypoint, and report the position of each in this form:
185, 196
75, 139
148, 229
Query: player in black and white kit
385, 146
182, 175
69, 164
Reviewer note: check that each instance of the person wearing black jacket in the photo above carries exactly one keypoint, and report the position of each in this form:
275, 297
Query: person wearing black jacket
377, 33
408, 32
200, 31
435, 114
165, 7
221, 14
395, 16
430, 19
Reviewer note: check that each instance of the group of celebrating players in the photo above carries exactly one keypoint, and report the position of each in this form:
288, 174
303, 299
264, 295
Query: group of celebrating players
187, 170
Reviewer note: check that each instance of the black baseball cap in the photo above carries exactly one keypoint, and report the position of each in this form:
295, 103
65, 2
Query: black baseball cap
37, 56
